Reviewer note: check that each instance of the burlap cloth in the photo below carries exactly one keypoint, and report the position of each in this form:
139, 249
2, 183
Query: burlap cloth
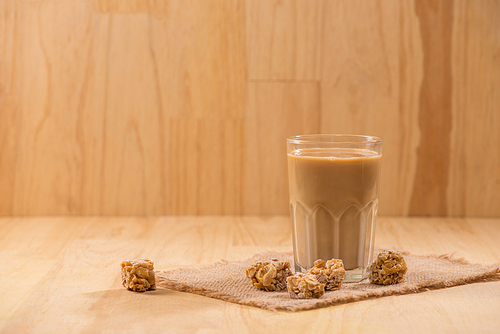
227, 281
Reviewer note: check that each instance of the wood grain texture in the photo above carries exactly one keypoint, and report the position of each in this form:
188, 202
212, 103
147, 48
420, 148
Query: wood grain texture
276, 111
63, 275
474, 176
434, 117
202, 87
155, 107
360, 88
9, 117
284, 39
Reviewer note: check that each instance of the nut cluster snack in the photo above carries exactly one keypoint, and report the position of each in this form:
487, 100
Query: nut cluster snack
138, 275
388, 268
331, 273
270, 276
304, 286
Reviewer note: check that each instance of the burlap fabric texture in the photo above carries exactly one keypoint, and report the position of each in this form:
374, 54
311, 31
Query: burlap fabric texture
227, 281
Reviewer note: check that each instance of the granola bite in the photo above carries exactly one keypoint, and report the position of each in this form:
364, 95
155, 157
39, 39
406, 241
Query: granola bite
388, 268
331, 273
269, 276
304, 286
138, 275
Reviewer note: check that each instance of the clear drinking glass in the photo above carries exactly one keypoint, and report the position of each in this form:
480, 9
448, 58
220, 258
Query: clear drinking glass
333, 184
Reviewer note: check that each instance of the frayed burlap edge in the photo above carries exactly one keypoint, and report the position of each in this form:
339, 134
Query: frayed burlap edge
161, 281
492, 274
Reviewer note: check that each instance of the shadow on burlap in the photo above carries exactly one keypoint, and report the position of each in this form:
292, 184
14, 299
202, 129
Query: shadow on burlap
226, 280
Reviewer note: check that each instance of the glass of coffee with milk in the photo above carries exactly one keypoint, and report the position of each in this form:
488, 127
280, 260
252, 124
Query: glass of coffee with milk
333, 185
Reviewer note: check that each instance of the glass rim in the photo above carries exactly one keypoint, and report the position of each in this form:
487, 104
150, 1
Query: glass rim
333, 138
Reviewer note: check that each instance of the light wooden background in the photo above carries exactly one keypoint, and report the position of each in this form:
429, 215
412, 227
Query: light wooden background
157, 107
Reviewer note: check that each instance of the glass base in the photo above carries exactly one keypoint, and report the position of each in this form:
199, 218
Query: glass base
355, 275
350, 276
299, 269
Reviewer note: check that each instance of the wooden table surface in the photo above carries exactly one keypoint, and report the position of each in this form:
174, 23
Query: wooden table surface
61, 274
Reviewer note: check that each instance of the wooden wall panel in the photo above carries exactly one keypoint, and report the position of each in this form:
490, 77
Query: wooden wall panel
276, 111
50, 73
9, 115
361, 87
205, 166
434, 114
284, 39
131, 125
154, 107
474, 176
199, 52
